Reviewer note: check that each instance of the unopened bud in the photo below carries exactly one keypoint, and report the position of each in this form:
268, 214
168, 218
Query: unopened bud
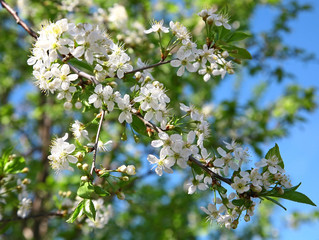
78, 105
210, 20
136, 139
60, 193
67, 105
125, 178
79, 166
225, 54
256, 189
26, 181
138, 75
121, 169
120, 195
79, 156
280, 190
84, 178
247, 218
19, 188
113, 84
234, 224
68, 193
25, 170
124, 137
85, 166
130, 170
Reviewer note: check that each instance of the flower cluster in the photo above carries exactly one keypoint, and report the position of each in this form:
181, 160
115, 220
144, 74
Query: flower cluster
83, 42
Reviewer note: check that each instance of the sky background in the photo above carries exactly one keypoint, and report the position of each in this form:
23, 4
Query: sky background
300, 150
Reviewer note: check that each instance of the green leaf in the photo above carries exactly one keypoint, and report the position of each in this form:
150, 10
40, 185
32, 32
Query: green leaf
238, 202
275, 201
76, 212
238, 36
14, 165
275, 152
295, 196
100, 191
89, 209
138, 126
86, 191
236, 52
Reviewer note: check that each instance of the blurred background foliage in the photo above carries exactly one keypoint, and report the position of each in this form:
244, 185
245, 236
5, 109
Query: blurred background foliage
154, 208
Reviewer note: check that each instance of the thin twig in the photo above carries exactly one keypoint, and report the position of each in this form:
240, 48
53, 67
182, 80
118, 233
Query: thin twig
191, 158
31, 32
148, 67
43, 215
97, 142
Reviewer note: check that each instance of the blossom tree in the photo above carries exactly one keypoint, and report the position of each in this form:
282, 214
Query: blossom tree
115, 98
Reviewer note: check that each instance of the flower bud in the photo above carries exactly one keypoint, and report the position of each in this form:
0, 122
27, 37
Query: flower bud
247, 218
25, 170
138, 75
210, 20
84, 178
125, 178
120, 195
68, 193
85, 167
78, 105
130, 170
26, 181
234, 224
79, 166
79, 156
67, 105
121, 169
123, 137
225, 54
280, 190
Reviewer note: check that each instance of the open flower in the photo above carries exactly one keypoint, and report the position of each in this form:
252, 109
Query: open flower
157, 27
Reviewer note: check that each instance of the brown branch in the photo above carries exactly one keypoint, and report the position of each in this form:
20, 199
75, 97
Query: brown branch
191, 158
148, 67
31, 32
43, 215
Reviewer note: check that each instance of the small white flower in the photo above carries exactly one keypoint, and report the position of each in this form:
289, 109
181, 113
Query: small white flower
24, 208
61, 154
157, 27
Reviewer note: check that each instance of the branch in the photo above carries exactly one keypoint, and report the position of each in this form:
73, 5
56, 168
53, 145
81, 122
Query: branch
97, 142
31, 32
148, 67
43, 215
191, 158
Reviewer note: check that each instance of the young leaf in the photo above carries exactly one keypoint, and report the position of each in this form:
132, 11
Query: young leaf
100, 191
86, 190
139, 126
238, 202
15, 165
296, 197
76, 212
89, 209
275, 152
238, 36
275, 201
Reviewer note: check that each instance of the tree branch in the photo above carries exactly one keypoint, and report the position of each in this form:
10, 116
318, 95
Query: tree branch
191, 158
43, 215
31, 32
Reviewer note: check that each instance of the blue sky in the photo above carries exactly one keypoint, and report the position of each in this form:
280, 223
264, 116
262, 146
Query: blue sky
300, 150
